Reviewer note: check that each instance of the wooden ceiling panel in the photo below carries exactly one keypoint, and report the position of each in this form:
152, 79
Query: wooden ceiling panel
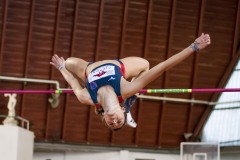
174, 132
35, 112
180, 77
97, 131
158, 31
197, 112
86, 30
76, 122
148, 123
135, 25
124, 137
54, 121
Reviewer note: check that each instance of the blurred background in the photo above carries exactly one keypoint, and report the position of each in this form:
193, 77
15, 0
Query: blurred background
32, 31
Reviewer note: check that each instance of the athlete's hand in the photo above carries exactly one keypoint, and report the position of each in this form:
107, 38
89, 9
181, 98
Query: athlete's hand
202, 41
58, 62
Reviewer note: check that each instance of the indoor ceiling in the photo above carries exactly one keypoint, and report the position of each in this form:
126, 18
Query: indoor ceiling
33, 30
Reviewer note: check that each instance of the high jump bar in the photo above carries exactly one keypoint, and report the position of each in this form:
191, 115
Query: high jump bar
59, 91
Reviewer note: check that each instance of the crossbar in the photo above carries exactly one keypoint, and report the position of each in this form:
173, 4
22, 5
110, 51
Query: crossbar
58, 91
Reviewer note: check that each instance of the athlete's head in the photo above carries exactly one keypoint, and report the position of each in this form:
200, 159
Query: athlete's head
112, 113
115, 119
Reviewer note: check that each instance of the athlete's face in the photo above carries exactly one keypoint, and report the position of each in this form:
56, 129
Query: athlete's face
115, 119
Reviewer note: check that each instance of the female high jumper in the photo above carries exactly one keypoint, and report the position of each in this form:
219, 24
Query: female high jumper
104, 84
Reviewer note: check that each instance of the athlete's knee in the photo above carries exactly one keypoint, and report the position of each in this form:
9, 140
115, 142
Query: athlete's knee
82, 98
71, 63
68, 62
145, 64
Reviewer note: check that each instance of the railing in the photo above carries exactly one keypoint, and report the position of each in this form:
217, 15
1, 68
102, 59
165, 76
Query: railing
23, 122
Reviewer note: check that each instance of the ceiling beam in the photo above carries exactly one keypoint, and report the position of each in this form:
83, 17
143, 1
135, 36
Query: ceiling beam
72, 43
56, 28
4, 21
145, 53
165, 74
123, 29
99, 29
236, 35
147, 28
28, 50
97, 45
195, 62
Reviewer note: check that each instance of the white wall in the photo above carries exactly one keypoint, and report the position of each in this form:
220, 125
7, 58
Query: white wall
155, 156
16, 143
49, 156
116, 155
75, 156
93, 156
112, 155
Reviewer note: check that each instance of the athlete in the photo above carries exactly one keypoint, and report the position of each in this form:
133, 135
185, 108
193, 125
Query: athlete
106, 82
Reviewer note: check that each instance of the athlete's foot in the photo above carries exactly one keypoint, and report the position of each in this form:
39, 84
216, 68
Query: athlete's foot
130, 120
128, 103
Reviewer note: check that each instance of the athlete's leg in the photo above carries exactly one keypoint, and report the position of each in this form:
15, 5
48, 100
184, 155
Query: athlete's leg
134, 67
77, 67
128, 103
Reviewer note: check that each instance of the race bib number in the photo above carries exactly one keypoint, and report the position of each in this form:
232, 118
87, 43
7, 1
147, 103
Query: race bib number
101, 72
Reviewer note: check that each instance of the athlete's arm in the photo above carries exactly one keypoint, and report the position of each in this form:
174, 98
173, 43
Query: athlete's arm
130, 88
81, 93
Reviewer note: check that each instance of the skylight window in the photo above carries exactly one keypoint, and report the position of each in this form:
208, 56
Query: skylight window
223, 125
